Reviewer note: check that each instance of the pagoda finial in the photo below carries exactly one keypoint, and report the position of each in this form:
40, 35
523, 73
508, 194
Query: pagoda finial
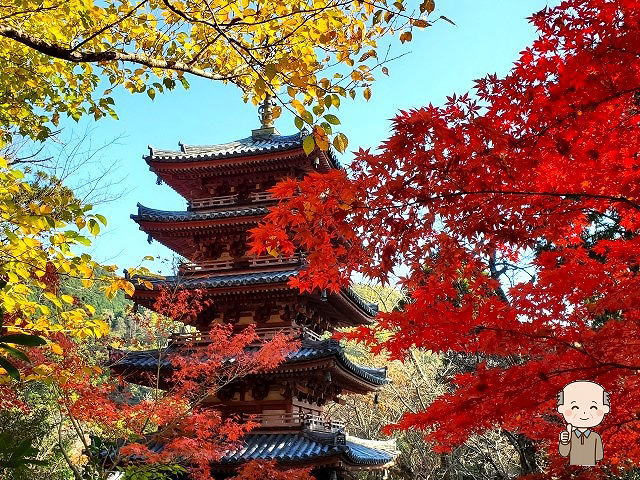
265, 113
265, 110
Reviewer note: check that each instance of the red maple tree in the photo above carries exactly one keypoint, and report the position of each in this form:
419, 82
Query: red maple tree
172, 424
514, 212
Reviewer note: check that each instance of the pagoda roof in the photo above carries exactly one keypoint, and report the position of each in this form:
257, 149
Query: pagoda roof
154, 215
256, 278
307, 447
238, 280
238, 148
245, 147
309, 350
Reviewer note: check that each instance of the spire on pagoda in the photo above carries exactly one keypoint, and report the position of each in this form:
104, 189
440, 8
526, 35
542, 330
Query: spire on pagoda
266, 114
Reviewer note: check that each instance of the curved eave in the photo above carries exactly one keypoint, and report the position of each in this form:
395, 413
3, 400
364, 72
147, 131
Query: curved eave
347, 304
349, 379
360, 312
330, 349
176, 219
273, 281
255, 145
165, 161
174, 229
204, 162
311, 356
307, 448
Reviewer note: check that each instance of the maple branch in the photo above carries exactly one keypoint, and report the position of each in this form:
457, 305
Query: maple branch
71, 55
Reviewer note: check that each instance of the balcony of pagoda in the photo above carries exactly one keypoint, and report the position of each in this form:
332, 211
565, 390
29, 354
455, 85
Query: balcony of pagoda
248, 262
227, 200
195, 339
295, 421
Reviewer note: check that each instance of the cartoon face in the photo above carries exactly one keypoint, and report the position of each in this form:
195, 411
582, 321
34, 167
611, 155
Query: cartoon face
582, 404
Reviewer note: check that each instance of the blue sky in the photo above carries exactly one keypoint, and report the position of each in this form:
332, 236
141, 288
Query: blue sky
441, 60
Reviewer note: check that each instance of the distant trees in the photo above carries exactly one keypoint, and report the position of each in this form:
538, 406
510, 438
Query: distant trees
415, 383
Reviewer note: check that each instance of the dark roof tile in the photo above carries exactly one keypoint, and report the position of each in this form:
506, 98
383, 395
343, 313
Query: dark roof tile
241, 279
304, 447
310, 350
253, 279
243, 147
153, 215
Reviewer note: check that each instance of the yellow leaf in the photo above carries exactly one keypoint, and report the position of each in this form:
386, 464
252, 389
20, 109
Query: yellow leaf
340, 142
67, 299
55, 348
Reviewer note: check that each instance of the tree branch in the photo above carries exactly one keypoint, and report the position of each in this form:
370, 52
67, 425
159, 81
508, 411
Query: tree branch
71, 55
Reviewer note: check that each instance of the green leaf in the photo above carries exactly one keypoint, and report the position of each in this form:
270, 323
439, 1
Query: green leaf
93, 226
19, 354
11, 370
23, 339
332, 119
308, 144
307, 117
83, 240
299, 123
327, 128
152, 93
102, 219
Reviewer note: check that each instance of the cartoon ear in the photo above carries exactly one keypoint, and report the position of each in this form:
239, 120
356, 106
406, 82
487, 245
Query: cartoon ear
560, 408
606, 408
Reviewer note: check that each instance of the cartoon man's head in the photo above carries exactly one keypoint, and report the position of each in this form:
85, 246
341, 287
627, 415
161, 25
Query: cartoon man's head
583, 404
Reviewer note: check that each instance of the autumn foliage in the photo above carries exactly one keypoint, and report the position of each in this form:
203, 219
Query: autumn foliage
515, 210
269, 470
172, 424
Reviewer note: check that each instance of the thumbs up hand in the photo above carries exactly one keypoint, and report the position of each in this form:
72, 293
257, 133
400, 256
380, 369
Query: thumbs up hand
565, 436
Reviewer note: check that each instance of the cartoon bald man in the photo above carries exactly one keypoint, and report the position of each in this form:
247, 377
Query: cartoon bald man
583, 404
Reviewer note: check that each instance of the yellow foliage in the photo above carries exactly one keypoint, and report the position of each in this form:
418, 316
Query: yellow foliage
54, 55
41, 231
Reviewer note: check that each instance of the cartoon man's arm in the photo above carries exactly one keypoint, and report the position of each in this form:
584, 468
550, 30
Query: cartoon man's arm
599, 449
564, 445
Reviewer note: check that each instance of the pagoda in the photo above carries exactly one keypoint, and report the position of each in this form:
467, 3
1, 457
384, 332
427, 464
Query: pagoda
226, 189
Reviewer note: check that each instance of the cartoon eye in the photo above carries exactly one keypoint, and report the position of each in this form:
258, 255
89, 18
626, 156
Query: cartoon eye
593, 407
575, 407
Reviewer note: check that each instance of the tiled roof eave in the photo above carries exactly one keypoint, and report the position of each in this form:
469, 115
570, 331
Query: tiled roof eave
306, 447
146, 214
223, 281
246, 147
309, 352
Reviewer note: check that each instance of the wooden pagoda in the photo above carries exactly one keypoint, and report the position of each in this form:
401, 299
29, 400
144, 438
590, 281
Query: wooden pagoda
226, 191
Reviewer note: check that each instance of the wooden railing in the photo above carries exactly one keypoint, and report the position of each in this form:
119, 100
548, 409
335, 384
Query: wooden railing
295, 420
228, 200
213, 202
263, 334
228, 264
